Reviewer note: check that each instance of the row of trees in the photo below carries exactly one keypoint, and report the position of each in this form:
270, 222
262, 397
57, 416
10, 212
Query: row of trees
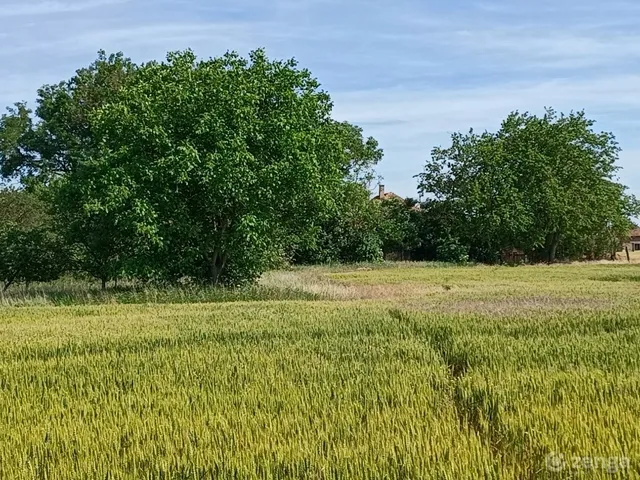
216, 170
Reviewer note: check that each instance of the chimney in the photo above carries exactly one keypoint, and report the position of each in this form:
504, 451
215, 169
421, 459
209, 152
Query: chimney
381, 191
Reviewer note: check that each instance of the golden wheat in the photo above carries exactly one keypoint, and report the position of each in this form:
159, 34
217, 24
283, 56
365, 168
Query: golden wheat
479, 373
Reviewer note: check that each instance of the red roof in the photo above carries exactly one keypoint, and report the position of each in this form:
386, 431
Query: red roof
388, 196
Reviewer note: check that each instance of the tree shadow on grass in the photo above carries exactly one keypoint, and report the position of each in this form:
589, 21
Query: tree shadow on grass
67, 295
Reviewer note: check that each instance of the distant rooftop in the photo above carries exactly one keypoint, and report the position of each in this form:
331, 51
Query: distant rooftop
382, 195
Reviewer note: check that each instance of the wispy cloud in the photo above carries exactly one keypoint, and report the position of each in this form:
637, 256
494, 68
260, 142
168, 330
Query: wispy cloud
411, 71
409, 122
438, 111
177, 35
527, 48
30, 8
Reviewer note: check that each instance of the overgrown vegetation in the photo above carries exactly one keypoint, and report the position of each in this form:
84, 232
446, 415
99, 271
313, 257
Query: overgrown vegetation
186, 168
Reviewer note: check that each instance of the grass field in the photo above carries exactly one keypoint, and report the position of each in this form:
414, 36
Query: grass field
407, 371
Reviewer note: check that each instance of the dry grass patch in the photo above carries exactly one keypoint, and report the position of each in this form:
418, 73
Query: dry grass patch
513, 306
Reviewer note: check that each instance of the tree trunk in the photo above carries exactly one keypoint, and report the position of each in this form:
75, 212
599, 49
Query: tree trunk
214, 273
218, 263
7, 284
553, 246
218, 259
104, 283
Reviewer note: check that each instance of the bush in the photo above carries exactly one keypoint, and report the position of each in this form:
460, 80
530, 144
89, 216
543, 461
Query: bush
450, 249
31, 255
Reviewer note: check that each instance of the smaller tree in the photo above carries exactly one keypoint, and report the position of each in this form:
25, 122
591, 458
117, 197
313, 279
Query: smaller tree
436, 223
545, 185
101, 233
31, 255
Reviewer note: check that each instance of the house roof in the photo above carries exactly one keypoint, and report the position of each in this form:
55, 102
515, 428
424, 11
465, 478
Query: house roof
393, 196
635, 232
388, 196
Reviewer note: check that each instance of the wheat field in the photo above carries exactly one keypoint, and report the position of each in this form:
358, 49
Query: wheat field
394, 372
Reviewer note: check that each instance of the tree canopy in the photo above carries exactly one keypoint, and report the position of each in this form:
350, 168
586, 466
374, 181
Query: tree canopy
30, 250
539, 184
186, 167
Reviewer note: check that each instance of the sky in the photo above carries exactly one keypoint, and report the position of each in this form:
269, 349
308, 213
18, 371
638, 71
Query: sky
409, 72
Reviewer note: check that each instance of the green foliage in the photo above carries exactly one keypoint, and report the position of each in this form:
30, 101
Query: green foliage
398, 227
21, 208
202, 164
349, 234
362, 154
449, 249
85, 204
217, 170
49, 142
48, 147
16, 131
31, 255
431, 224
29, 250
541, 184
204, 169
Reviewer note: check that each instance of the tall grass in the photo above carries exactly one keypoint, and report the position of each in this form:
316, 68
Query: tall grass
74, 292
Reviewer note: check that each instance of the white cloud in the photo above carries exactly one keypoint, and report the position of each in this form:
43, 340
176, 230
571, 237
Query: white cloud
170, 35
166, 37
559, 50
409, 71
27, 8
409, 123
441, 110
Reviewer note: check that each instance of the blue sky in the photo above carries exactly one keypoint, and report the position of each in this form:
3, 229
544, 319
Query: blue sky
409, 72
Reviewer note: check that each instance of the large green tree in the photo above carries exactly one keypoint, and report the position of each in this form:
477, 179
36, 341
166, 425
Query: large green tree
186, 167
541, 184
56, 141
